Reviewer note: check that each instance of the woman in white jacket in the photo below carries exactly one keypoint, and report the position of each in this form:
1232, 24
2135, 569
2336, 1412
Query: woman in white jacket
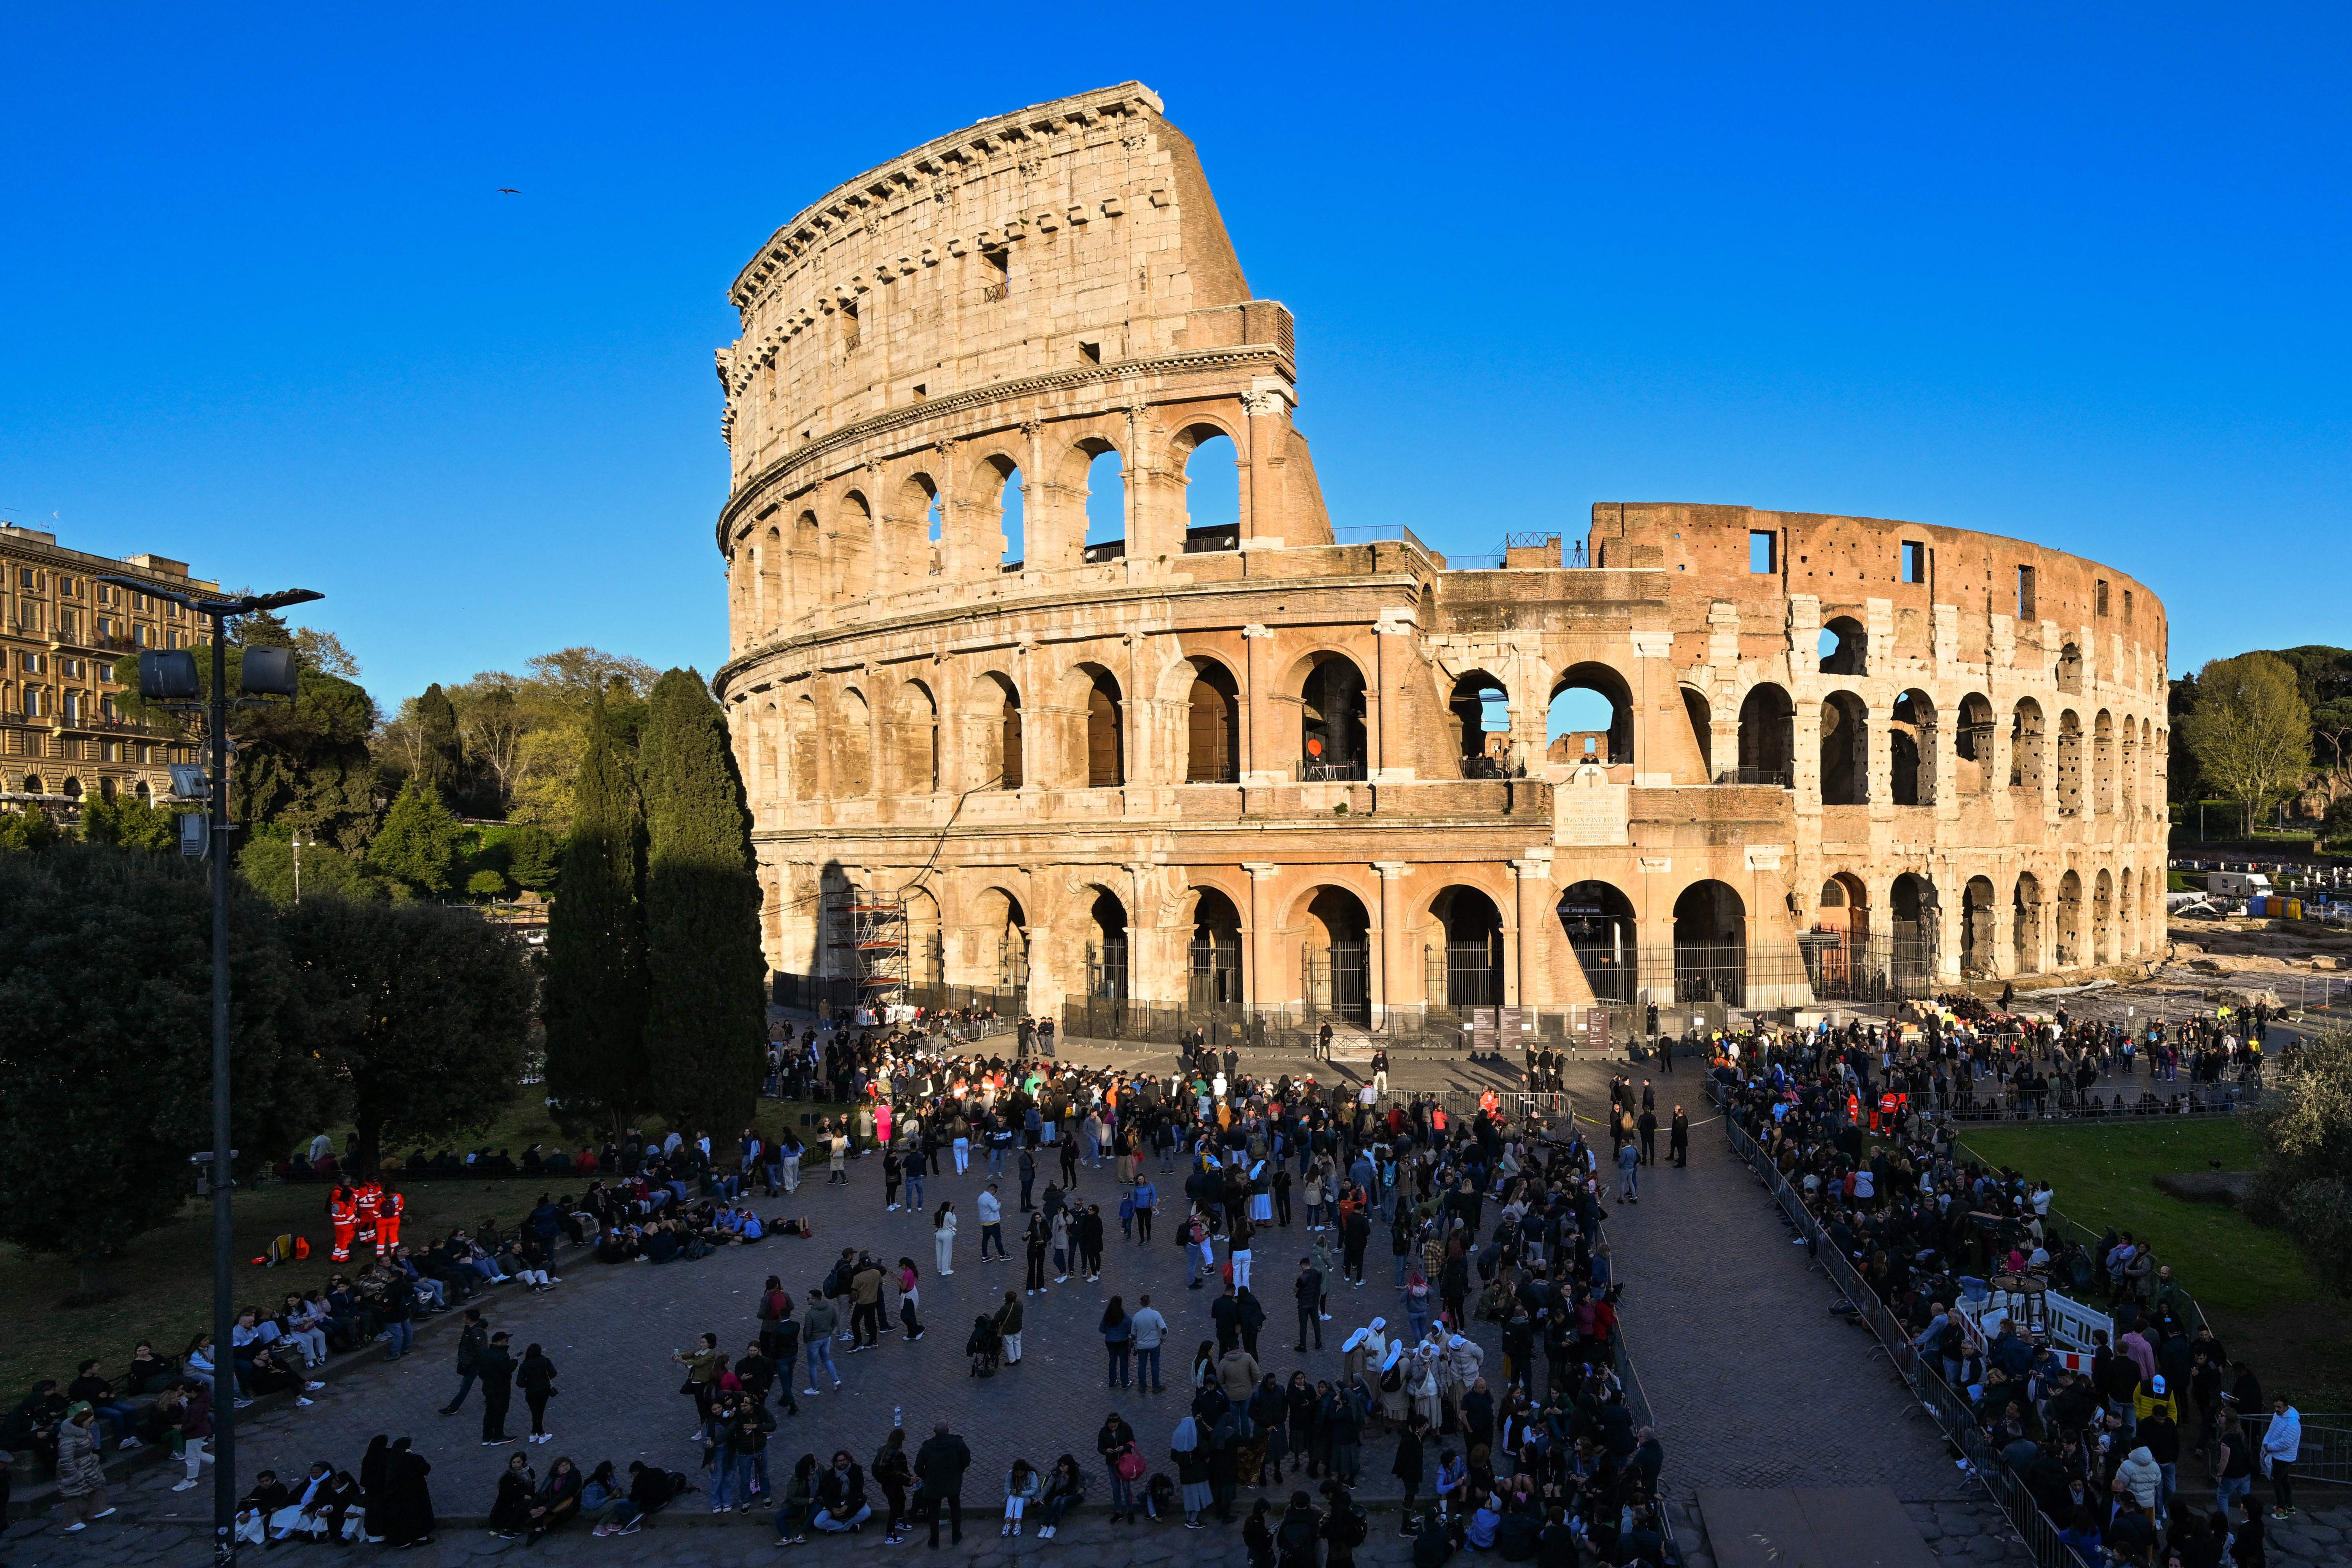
943, 1235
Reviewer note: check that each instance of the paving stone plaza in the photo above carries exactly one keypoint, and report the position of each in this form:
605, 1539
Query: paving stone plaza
1752, 1381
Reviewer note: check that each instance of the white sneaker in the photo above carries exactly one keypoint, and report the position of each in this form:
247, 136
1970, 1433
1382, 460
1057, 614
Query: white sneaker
102, 1513
314, 1388
186, 1486
306, 1401
77, 1524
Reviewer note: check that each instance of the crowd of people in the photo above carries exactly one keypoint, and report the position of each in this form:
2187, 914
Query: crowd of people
2098, 1435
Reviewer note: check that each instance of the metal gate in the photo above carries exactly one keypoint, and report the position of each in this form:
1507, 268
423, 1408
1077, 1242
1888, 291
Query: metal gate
1214, 981
1339, 981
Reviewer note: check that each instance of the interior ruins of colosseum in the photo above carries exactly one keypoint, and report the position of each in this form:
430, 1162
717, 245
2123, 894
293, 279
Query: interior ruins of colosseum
1263, 762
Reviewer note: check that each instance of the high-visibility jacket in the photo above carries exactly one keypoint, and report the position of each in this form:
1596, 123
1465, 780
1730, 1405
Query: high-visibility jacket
343, 1209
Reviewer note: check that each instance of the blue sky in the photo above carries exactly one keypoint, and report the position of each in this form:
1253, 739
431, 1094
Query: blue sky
2077, 277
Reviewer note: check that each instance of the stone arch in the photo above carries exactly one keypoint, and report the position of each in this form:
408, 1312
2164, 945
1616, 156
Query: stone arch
771, 577
2127, 913
1209, 492
913, 525
1000, 930
1103, 743
1573, 729
925, 951
2151, 762
1979, 932
2069, 673
1478, 700
1104, 929
2029, 756
993, 750
807, 736
1212, 721
1972, 745
1603, 934
1464, 954
1332, 733
1096, 491
2103, 764
1711, 944
1768, 736
1337, 953
1911, 750
771, 743
1845, 750
1917, 928
852, 547
33, 785
996, 501
2070, 921
807, 560
851, 752
2025, 924
2127, 771
71, 788
2102, 919
1842, 907
1215, 968
915, 740
2070, 763
1701, 714
1844, 648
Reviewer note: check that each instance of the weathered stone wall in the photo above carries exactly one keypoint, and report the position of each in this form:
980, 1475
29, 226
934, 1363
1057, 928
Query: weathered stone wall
1271, 739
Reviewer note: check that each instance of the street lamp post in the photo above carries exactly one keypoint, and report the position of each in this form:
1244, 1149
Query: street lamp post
169, 678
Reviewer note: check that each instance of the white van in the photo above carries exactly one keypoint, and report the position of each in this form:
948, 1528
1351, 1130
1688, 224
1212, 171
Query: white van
2237, 884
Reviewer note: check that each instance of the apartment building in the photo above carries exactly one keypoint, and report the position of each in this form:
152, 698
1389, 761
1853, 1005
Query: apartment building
64, 732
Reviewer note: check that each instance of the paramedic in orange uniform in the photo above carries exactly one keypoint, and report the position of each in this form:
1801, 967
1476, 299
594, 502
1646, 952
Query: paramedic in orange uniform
343, 1213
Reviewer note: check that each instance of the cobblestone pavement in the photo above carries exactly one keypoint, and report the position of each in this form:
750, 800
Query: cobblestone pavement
610, 1331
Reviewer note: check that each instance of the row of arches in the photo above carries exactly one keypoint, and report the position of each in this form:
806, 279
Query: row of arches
874, 535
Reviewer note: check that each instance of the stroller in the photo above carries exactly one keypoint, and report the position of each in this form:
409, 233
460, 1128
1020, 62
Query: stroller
986, 1346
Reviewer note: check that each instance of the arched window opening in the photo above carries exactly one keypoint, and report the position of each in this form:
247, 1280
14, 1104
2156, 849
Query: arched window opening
2126, 917
1599, 922
915, 527
1839, 962
33, 785
1004, 934
1338, 956
1482, 721
1911, 750
2128, 772
1106, 949
2025, 925
2070, 671
1917, 929
917, 741
1845, 750
1978, 934
1590, 718
1972, 744
1215, 975
1844, 648
2028, 763
807, 565
2103, 764
1331, 720
1711, 945
1767, 737
141, 790
1106, 502
1011, 510
1213, 726
852, 547
1702, 723
768, 608
852, 751
995, 734
1465, 965
1213, 491
2070, 921
2070, 763
1105, 732
925, 948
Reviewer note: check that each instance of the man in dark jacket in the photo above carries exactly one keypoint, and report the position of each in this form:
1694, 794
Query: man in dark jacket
495, 1368
470, 1341
939, 1465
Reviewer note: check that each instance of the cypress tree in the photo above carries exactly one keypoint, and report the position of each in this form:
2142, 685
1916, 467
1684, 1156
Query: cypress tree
705, 1031
595, 1003
442, 757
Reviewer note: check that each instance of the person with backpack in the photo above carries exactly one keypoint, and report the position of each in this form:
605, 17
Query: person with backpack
1124, 1459
1295, 1537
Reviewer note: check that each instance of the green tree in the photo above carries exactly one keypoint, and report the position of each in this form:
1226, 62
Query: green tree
595, 998
127, 820
106, 985
417, 847
533, 857
2250, 731
707, 1025
487, 884
441, 753
269, 864
421, 1010
2306, 1126
31, 828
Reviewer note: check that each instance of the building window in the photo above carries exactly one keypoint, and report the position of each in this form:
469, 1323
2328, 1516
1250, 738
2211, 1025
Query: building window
1915, 561
2099, 593
1763, 552
2025, 608
69, 588
2128, 607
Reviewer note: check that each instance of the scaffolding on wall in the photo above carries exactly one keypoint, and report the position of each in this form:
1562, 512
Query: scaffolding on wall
867, 929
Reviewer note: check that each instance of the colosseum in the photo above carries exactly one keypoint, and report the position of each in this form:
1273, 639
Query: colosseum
1017, 714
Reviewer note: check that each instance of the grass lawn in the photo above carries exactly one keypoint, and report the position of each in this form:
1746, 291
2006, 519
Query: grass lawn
165, 1276
2252, 1282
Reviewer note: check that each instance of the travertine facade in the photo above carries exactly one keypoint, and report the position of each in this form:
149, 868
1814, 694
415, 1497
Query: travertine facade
1246, 763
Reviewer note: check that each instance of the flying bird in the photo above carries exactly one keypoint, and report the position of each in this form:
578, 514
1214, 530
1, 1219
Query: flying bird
508, 191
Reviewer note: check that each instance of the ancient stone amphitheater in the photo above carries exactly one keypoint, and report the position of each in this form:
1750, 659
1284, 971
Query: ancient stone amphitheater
1129, 761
